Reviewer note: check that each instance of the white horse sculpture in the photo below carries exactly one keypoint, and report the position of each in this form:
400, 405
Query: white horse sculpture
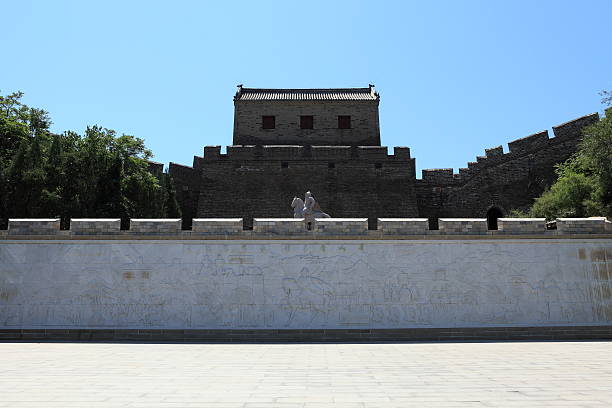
312, 211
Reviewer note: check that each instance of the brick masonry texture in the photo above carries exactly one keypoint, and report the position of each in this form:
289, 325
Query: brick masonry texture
217, 225
92, 226
341, 226
400, 226
155, 226
412, 228
521, 225
595, 225
280, 226
40, 226
463, 226
364, 123
351, 175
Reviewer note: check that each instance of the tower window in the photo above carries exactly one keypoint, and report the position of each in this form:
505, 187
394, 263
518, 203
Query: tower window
306, 122
268, 122
378, 165
284, 165
331, 165
344, 122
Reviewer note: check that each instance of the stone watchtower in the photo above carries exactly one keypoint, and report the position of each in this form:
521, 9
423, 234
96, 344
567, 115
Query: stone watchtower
329, 117
289, 141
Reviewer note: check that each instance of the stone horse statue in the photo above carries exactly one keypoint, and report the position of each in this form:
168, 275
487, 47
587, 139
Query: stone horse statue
308, 209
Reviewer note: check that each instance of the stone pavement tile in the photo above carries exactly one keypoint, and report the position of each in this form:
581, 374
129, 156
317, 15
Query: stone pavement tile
306, 375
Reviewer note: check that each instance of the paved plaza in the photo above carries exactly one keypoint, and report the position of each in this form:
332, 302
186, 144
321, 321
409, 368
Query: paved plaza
564, 374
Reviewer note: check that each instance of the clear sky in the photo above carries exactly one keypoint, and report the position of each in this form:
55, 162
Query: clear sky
455, 77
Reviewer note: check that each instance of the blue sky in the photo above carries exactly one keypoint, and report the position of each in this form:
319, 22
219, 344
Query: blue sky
455, 77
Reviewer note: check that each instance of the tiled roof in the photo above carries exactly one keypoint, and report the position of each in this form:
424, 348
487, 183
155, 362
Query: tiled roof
329, 94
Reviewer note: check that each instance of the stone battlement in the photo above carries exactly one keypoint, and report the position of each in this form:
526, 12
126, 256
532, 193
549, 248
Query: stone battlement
297, 152
263, 227
494, 156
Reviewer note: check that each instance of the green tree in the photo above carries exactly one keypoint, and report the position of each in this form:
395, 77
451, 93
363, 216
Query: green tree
98, 174
584, 185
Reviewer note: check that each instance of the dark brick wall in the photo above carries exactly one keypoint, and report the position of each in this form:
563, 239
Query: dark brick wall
350, 181
507, 181
364, 130
253, 182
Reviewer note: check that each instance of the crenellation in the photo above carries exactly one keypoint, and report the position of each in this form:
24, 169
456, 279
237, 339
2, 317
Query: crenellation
331, 152
33, 226
521, 225
403, 226
217, 226
155, 225
279, 226
463, 226
573, 127
372, 152
534, 141
401, 153
341, 226
212, 152
95, 226
296, 226
494, 152
593, 225
437, 175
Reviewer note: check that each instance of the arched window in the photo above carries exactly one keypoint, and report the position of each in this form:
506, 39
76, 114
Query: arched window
492, 215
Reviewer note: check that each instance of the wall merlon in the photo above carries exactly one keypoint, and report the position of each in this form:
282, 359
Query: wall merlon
212, 152
403, 226
573, 128
401, 152
279, 226
217, 226
331, 152
494, 152
480, 159
437, 175
155, 225
341, 226
462, 226
372, 152
94, 226
521, 225
593, 225
530, 142
33, 226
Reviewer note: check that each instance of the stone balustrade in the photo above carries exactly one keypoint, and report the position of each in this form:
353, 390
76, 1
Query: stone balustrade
295, 226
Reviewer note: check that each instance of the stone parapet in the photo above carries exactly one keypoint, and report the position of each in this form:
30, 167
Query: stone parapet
341, 226
403, 226
33, 226
463, 226
280, 226
593, 225
521, 225
94, 226
217, 226
155, 225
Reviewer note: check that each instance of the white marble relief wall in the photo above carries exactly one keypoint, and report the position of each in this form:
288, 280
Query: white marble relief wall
304, 284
